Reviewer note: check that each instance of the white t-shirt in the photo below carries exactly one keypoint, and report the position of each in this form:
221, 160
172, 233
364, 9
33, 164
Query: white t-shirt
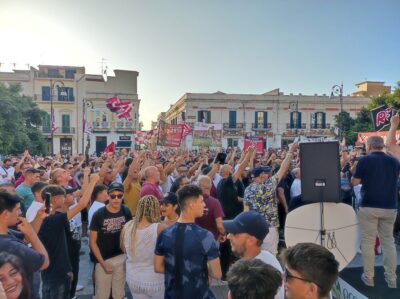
6, 175
93, 208
32, 210
270, 259
295, 189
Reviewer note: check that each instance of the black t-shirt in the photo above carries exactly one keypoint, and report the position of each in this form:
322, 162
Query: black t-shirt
52, 235
286, 183
108, 227
378, 173
228, 193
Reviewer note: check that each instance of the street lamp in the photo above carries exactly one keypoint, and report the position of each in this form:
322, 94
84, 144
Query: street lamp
88, 104
52, 118
338, 90
294, 107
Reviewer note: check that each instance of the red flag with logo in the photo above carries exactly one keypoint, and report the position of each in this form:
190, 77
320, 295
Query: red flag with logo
110, 148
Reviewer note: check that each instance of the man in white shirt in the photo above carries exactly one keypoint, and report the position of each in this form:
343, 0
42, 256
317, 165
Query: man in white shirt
295, 189
37, 203
246, 233
100, 196
6, 171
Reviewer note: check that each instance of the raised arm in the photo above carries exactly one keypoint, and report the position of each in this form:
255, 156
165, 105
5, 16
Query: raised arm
286, 162
243, 165
391, 145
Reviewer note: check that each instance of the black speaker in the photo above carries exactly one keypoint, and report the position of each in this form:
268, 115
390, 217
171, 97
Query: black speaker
320, 172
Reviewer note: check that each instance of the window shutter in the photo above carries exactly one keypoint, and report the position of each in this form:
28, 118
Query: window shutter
291, 120
299, 120
265, 116
323, 120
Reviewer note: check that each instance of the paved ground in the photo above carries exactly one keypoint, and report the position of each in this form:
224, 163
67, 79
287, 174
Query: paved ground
219, 289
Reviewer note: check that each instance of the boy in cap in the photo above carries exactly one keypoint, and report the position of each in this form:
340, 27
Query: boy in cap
104, 240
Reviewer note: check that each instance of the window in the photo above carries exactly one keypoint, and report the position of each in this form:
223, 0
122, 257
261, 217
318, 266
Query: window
68, 96
204, 115
65, 123
45, 93
53, 73
46, 123
69, 74
261, 119
320, 119
232, 119
233, 142
295, 120
183, 115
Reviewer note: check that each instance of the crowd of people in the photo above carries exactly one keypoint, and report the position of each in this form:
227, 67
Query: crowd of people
169, 223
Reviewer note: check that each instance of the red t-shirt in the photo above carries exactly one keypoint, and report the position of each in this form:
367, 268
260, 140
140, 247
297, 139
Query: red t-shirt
150, 189
212, 211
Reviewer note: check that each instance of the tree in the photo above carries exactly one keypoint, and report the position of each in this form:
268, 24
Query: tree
19, 121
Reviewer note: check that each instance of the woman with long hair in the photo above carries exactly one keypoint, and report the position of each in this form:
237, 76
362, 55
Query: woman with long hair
13, 278
138, 240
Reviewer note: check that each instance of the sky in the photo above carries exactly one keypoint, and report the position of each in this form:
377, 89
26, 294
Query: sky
179, 46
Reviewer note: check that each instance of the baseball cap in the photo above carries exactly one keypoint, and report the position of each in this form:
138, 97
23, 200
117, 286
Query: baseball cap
170, 198
259, 170
116, 186
249, 222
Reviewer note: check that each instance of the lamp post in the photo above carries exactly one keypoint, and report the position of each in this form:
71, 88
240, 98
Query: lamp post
52, 118
294, 107
88, 104
338, 90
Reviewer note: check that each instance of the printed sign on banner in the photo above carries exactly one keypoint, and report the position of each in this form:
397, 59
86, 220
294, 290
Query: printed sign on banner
170, 135
256, 142
381, 117
209, 135
342, 290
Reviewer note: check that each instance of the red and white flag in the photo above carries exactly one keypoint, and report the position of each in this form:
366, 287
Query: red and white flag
186, 130
142, 136
123, 109
53, 122
110, 148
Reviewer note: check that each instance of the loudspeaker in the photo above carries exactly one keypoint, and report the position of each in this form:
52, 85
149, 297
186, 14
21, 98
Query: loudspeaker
320, 172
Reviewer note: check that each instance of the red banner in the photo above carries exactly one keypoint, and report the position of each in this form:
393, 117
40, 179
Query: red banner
170, 135
256, 142
363, 136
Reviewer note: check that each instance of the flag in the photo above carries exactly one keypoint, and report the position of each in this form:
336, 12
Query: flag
123, 109
142, 136
381, 117
87, 127
53, 122
186, 130
110, 148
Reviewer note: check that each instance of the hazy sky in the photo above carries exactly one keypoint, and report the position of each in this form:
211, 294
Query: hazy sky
299, 46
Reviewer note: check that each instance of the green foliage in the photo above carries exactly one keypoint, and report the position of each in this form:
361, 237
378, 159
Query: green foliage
19, 118
363, 122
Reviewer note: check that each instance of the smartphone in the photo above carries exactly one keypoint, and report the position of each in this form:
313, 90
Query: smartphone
47, 199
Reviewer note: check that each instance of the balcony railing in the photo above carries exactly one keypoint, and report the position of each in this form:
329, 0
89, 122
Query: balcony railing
123, 126
60, 130
101, 125
64, 99
320, 126
233, 126
293, 126
260, 127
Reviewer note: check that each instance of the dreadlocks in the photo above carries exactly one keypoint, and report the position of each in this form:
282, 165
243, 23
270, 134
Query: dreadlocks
149, 209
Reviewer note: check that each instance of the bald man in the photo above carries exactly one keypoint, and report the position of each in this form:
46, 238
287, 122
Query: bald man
151, 183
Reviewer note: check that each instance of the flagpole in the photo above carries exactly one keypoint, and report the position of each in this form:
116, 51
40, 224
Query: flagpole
51, 117
88, 104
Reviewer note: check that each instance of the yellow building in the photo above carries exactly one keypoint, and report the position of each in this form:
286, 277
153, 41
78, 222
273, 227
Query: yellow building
66, 89
371, 89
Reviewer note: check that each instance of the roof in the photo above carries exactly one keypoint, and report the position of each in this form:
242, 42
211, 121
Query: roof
380, 82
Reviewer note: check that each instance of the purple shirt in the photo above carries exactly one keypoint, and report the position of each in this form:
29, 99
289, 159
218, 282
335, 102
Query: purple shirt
150, 189
212, 211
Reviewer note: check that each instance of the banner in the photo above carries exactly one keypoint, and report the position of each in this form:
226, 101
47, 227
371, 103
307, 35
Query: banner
170, 135
381, 117
208, 135
363, 136
256, 142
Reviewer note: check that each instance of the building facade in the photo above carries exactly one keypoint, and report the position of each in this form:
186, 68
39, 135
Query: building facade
277, 117
72, 93
371, 89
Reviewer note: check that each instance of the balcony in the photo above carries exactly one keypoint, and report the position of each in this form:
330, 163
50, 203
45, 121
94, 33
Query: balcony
233, 126
101, 126
261, 127
123, 126
61, 130
293, 126
62, 99
320, 126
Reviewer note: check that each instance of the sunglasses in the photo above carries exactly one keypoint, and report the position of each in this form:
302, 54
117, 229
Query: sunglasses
288, 275
114, 196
